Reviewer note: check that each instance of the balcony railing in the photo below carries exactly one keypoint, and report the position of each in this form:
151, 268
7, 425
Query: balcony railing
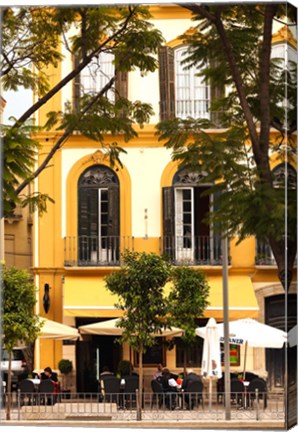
193, 250
94, 251
264, 254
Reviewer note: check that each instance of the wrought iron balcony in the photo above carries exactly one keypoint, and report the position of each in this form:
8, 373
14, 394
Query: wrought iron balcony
94, 251
193, 250
264, 255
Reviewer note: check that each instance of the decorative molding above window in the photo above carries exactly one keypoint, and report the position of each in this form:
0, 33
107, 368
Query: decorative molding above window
285, 175
98, 176
189, 178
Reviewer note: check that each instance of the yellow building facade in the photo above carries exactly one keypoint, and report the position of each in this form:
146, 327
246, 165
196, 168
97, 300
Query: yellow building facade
100, 211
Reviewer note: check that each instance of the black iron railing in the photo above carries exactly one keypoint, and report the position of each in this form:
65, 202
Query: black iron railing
94, 251
192, 250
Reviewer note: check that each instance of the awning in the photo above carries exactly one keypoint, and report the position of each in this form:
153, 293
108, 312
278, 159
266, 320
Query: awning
110, 328
242, 299
58, 331
88, 297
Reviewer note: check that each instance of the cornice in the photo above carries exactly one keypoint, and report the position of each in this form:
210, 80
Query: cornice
284, 35
169, 11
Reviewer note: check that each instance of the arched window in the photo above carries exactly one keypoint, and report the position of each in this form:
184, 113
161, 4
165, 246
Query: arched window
98, 217
188, 238
192, 92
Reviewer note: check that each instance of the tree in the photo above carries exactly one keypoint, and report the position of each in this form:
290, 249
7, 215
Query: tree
187, 301
31, 44
232, 46
139, 286
19, 322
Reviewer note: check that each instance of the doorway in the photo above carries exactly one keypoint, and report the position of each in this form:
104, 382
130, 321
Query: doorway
92, 354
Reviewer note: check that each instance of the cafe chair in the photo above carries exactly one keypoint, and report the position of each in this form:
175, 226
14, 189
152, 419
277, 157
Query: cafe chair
158, 394
46, 393
111, 389
250, 376
131, 385
260, 384
220, 386
193, 394
237, 391
27, 392
220, 390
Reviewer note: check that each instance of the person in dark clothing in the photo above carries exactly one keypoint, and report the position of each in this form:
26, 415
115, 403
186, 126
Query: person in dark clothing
190, 377
169, 386
187, 381
106, 372
49, 374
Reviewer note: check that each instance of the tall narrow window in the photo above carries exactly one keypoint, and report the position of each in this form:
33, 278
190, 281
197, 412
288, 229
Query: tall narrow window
192, 92
97, 74
189, 238
98, 217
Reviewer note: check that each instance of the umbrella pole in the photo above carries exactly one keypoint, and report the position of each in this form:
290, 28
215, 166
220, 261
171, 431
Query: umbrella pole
244, 365
210, 394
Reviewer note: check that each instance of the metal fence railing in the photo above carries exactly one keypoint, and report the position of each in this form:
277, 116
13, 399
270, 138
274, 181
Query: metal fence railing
155, 406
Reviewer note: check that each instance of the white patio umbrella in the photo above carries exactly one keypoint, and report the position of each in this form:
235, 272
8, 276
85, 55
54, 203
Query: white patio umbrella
55, 330
211, 365
251, 333
109, 328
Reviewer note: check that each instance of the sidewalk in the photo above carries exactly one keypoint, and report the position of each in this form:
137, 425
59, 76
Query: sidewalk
156, 424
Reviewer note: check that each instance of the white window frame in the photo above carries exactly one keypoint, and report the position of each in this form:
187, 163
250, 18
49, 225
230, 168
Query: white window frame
97, 74
183, 253
101, 254
192, 93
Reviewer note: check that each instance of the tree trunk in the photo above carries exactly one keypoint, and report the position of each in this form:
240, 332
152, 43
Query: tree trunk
284, 254
29, 357
140, 402
8, 386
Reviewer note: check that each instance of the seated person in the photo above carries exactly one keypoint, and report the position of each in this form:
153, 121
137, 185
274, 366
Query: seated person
49, 374
106, 372
158, 371
189, 378
169, 385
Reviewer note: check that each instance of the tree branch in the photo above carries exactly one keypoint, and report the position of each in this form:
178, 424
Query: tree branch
264, 80
64, 137
239, 86
72, 74
198, 9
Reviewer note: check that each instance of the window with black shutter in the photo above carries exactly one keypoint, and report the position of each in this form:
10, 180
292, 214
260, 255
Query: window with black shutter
98, 217
167, 83
188, 236
183, 92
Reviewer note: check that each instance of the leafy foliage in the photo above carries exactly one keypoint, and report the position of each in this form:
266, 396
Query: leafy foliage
139, 285
231, 46
19, 323
20, 151
187, 300
31, 43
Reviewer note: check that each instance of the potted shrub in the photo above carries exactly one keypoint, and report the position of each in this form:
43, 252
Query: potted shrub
65, 367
